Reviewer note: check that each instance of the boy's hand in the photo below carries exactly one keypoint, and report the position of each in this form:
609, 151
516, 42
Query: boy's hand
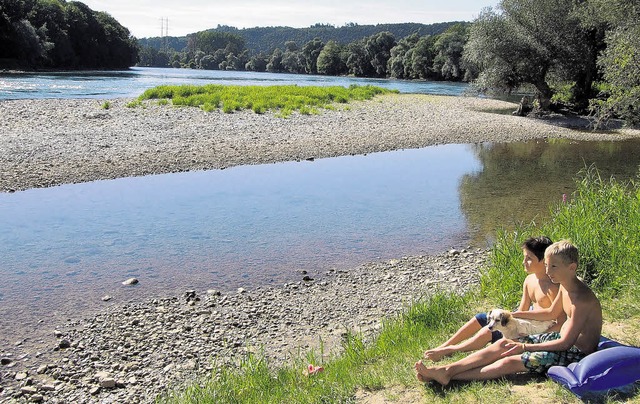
512, 347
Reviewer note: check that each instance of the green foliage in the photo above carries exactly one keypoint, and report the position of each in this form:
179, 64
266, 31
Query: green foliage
530, 41
367, 56
621, 66
106, 105
602, 218
62, 35
260, 99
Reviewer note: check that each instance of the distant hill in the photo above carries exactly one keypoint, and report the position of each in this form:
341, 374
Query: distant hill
266, 39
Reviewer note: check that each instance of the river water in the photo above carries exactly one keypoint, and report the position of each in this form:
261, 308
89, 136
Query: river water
63, 248
133, 82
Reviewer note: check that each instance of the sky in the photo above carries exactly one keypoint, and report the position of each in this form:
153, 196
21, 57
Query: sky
144, 18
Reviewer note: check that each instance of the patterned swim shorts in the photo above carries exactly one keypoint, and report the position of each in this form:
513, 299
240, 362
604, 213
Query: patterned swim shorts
541, 361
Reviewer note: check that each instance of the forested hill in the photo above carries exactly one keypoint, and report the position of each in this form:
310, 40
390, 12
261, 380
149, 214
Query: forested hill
56, 34
266, 39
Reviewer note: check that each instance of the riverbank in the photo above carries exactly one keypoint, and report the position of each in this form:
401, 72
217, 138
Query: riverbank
133, 352
52, 142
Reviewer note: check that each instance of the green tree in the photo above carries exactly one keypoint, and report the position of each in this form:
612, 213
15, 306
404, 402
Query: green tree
329, 60
210, 41
620, 62
396, 66
358, 64
448, 49
420, 59
378, 50
275, 62
293, 62
257, 63
535, 42
311, 50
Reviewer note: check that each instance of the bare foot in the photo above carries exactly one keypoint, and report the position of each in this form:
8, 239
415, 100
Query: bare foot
436, 354
425, 374
419, 366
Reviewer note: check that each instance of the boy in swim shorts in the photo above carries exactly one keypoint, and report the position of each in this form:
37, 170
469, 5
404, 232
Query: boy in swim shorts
538, 292
578, 336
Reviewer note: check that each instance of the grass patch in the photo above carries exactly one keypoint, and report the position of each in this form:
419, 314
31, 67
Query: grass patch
284, 99
602, 218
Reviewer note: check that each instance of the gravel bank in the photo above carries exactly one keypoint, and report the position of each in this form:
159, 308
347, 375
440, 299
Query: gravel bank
52, 142
132, 353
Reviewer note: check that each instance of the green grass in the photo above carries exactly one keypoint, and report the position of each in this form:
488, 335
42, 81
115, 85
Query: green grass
260, 99
602, 218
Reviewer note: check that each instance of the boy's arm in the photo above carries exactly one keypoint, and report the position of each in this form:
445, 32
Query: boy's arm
525, 300
553, 312
573, 327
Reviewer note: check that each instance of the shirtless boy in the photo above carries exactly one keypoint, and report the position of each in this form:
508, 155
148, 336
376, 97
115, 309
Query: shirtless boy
578, 336
537, 291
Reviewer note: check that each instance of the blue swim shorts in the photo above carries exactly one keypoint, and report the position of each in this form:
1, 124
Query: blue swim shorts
541, 361
483, 320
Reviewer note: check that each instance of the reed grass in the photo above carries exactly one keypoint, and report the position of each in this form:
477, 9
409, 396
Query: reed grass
260, 99
602, 218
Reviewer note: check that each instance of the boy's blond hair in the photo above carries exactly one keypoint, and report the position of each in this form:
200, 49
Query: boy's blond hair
563, 249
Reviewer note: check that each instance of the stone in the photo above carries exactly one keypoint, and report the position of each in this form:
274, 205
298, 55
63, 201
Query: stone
5, 361
28, 390
108, 383
131, 282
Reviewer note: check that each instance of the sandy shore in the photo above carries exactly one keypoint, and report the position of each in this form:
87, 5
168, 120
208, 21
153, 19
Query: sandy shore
52, 142
132, 352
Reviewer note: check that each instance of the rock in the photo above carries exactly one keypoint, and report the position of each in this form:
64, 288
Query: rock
106, 298
64, 344
28, 390
108, 383
130, 282
5, 361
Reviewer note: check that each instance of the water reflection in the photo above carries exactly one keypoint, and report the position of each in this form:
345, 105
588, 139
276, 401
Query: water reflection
520, 182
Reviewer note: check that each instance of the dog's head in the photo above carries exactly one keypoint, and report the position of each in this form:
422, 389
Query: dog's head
498, 319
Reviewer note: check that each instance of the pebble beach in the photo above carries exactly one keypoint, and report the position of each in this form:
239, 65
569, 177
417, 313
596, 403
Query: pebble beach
133, 352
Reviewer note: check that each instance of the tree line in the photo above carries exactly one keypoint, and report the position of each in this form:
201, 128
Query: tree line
434, 57
55, 34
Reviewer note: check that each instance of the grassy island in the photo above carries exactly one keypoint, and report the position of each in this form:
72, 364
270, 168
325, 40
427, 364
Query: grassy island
602, 218
284, 99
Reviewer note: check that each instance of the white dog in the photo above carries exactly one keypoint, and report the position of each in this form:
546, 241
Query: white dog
511, 327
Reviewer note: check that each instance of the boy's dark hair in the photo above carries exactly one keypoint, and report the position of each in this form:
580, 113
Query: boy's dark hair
537, 245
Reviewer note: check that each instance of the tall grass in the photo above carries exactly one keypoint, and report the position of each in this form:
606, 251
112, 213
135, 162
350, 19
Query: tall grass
602, 218
284, 99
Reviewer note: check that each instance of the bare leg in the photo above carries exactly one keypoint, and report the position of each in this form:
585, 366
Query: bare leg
477, 341
465, 332
472, 366
503, 367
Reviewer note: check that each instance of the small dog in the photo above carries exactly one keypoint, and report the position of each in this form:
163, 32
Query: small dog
511, 327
